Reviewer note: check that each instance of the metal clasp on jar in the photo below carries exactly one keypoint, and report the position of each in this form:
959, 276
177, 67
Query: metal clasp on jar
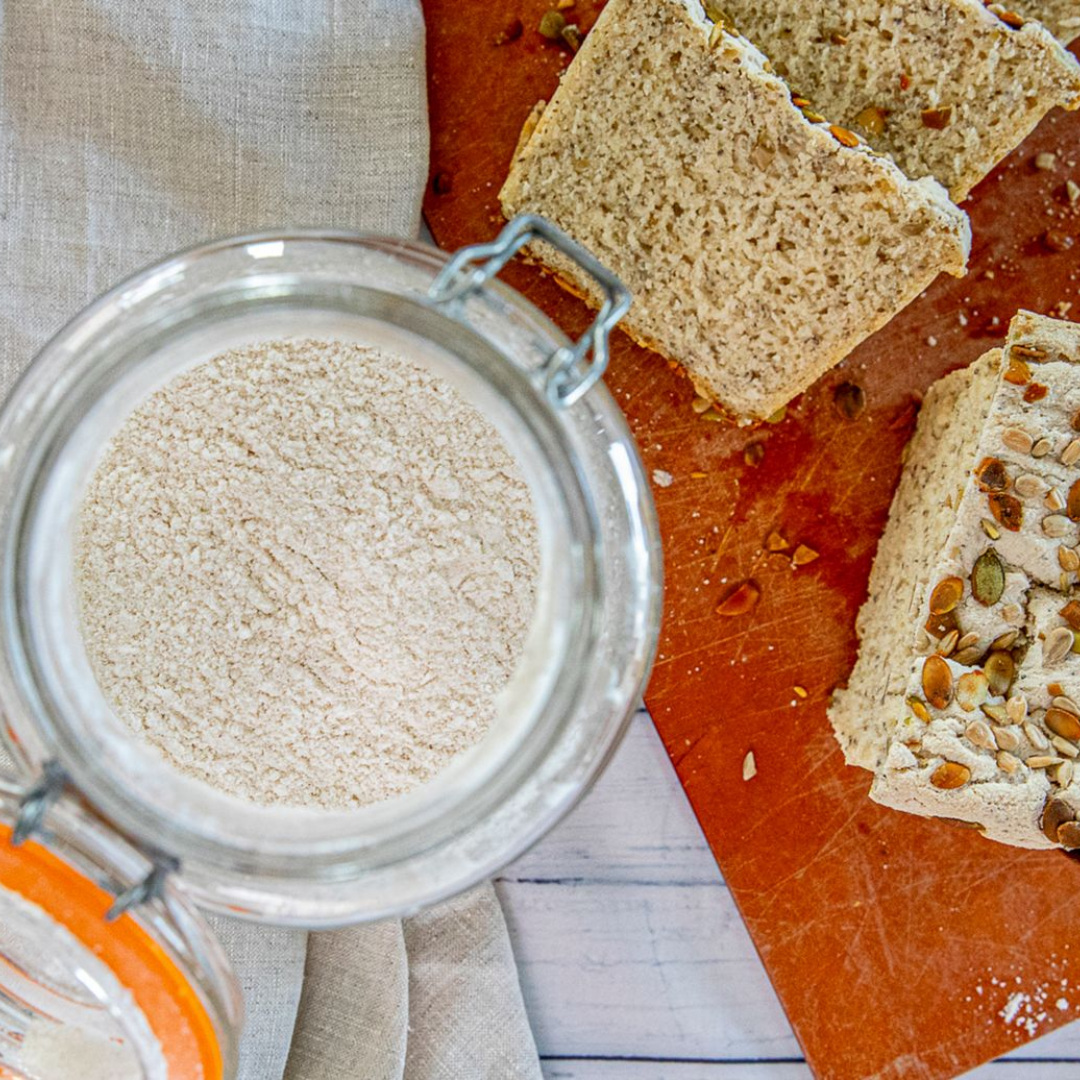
568, 372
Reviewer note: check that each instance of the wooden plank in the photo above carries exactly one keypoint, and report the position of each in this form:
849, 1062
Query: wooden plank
639, 970
635, 825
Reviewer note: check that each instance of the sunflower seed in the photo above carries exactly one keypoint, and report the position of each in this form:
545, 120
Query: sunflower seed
1013, 614
1029, 486
968, 640
1068, 560
1006, 739
998, 713
1054, 500
1006, 640
1007, 762
972, 689
1041, 761
1060, 701
1035, 736
1042, 448
1055, 525
966, 657
948, 643
950, 775
1071, 454
1063, 746
1017, 439
749, 766
1017, 708
979, 734
1062, 774
1058, 644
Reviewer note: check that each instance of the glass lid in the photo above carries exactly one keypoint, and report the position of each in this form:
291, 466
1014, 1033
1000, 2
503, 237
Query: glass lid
104, 975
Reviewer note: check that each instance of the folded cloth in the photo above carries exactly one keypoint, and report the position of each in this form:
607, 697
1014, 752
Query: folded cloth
131, 130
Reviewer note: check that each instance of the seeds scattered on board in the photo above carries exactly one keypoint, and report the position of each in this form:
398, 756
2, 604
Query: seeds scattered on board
749, 766
803, 555
740, 601
937, 682
1057, 645
850, 400
950, 775
988, 578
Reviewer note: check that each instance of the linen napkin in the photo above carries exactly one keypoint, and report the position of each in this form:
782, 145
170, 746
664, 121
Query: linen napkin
128, 131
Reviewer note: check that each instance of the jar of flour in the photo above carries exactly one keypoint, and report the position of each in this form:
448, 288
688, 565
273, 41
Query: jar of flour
330, 580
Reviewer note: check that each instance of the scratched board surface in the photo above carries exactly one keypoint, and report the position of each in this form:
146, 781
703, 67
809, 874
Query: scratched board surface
899, 947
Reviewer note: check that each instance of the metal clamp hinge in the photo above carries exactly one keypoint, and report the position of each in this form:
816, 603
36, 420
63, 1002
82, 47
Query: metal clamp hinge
143, 892
35, 803
568, 372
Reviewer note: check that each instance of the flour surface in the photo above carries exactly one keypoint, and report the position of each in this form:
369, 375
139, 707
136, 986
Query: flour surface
305, 570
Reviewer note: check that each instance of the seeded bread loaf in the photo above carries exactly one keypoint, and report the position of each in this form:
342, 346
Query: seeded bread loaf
760, 247
1062, 17
947, 87
987, 728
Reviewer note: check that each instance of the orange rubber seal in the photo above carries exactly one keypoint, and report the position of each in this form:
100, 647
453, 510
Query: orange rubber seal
173, 1009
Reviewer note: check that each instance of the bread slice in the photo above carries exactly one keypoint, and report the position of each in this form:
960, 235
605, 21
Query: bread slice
759, 247
1061, 17
937, 464
944, 86
987, 727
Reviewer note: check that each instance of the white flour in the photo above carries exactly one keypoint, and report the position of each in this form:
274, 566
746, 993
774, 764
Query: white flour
305, 571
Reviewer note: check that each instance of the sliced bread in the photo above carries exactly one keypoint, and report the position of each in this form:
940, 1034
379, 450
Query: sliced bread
760, 247
1062, 17
986, 729
947, 87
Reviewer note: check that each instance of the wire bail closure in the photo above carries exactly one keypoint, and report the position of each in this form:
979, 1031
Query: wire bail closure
568, 373
34, 805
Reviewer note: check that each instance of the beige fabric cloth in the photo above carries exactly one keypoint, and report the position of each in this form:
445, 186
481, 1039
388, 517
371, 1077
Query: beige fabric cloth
129, 130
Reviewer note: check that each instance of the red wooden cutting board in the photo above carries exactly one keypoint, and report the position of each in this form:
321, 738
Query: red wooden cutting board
899, 947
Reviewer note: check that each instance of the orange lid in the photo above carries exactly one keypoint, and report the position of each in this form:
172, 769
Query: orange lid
172, 1006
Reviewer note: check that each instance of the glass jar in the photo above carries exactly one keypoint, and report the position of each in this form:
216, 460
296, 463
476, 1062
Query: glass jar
594, 631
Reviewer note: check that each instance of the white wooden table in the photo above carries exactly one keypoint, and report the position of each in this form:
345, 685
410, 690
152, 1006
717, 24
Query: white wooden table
634, 962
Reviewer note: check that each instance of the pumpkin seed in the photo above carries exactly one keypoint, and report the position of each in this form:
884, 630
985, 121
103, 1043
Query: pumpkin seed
1056, 812
988, 578
1071, 614
1072, 503
1007, 510
552, 24
1068, 560
937, 682
991, 475
946, 595
1065, 724
950, 775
